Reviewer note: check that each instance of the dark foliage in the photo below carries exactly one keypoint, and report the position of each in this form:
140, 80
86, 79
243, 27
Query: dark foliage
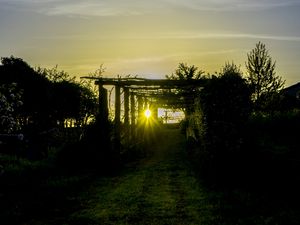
186, 72
224, 107
52, 160
33, 86
49, 98
93, 152
47, 103
262, 78
10, 103
273, 147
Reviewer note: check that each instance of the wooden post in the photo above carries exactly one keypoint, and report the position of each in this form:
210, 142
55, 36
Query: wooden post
117, 118
166, 117
154, 110
103, 106
126, 113
140, 118
140, 109
132, 111
145, 104
102, 123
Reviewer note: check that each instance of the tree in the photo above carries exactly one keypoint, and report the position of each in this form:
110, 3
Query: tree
49, 96
225, 98
69, 99
185, 72
262, 76
10, 102
222, 109
54, 75
34, 87
230, 69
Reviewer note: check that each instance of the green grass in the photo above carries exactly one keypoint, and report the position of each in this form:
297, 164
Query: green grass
33, 189
160, 189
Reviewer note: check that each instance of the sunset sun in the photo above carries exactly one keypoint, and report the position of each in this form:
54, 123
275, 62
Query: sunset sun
147, 113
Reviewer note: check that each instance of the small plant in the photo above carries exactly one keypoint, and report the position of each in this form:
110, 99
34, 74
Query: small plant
10, 102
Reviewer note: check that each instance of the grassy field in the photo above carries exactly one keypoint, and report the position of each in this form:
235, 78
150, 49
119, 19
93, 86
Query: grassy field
159, 189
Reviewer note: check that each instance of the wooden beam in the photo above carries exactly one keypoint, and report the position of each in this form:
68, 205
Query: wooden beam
148, 82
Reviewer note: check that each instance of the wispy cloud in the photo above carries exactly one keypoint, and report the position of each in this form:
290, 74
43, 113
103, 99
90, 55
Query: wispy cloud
195, 35
89, 8
138, 7
86, 8
172, 36
230, 5
213, 35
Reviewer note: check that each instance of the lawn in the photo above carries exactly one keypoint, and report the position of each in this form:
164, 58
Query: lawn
161, 188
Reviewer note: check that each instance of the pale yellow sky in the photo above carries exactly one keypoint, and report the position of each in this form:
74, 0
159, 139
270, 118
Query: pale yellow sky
149, 38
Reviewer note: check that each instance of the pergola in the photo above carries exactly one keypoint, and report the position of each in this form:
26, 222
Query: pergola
166, 92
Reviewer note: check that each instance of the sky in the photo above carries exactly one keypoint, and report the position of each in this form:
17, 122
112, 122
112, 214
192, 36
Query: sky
149, 38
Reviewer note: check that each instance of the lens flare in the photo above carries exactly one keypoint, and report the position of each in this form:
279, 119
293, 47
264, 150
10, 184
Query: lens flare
147, 113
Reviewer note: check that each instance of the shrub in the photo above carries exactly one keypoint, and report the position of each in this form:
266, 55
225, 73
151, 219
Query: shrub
221, 113
92, 152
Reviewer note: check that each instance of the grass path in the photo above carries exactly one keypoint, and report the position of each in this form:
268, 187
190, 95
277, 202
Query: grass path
162, 190
159, 190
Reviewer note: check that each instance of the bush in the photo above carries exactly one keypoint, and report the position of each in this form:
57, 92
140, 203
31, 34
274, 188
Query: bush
92, 152
223, 109
270, 131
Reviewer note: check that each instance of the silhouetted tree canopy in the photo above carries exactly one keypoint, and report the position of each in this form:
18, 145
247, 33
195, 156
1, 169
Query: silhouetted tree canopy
222, 109
262, 77
185, 72
10, 102
226, 98
50, 96
34, 87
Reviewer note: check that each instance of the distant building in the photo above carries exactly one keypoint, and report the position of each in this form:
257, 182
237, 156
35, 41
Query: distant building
291, 97
293, 91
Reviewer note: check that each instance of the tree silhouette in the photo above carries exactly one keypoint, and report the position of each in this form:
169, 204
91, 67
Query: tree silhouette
262, 76
49, 96
10, 102
185, 72
230, 69
225, 98
34, 87
54, 75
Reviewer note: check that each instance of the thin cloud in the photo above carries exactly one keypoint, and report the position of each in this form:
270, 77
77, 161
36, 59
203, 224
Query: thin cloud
86, 8
195, 35
232, 5
177, 35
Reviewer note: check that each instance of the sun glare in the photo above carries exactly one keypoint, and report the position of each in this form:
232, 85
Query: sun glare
147, 113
